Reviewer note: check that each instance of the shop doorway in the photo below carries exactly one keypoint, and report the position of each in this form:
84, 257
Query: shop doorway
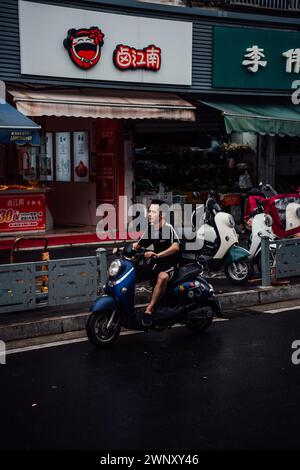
287, 173
174, 160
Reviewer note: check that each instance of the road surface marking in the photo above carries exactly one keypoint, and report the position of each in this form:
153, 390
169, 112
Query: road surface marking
285, 309
61, 343
81, 340
45, 345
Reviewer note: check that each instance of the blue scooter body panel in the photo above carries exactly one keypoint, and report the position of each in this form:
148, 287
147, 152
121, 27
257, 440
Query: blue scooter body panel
193, 289
103, 303
126, 279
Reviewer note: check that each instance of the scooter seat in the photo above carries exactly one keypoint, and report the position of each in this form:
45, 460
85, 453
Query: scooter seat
184, 274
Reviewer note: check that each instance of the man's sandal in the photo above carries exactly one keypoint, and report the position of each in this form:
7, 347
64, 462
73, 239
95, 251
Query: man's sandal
147, 319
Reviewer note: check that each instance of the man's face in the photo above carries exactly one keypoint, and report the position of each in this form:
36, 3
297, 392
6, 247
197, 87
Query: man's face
153, 214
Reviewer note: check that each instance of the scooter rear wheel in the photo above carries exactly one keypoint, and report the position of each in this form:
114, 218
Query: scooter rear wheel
238, 272
101, 331
199, 327
201, 324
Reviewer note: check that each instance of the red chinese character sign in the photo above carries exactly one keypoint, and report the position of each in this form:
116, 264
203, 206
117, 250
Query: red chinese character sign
22, 213
126, 57
84, 46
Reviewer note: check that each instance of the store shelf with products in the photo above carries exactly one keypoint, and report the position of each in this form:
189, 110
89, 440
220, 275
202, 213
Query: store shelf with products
183, 170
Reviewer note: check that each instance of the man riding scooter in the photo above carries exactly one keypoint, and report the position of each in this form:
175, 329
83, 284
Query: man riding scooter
163, 260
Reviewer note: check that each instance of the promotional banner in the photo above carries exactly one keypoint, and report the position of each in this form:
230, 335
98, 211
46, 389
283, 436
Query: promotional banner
63, 156
106, 139
81, 156
22, 213
46, 160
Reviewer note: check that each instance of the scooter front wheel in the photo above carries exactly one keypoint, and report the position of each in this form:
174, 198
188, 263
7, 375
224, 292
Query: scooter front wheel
103, 328
238, 272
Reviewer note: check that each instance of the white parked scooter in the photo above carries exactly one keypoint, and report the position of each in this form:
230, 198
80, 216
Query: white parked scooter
218, 244
292, 215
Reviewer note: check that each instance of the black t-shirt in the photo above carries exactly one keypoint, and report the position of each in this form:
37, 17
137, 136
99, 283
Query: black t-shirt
161, 239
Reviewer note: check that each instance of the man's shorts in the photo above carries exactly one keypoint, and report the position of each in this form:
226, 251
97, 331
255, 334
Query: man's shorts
150, 271
163, 267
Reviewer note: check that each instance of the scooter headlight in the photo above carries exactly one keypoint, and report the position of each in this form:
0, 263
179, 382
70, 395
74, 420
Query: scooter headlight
268, 220
114, 268
231, 221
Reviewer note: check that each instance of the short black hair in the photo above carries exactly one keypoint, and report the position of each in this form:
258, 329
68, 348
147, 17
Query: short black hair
157, 201
160, 203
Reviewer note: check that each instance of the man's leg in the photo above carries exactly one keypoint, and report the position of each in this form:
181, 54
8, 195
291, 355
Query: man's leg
158, 291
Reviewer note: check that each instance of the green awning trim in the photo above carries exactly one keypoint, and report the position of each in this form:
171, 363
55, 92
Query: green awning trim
259, 118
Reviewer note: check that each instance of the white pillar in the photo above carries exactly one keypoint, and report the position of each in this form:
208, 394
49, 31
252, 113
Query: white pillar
2, 92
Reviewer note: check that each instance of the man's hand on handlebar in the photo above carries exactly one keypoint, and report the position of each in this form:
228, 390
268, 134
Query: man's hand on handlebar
150, 254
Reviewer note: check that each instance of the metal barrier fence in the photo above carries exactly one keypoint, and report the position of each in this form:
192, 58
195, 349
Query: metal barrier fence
26, 286
287, 259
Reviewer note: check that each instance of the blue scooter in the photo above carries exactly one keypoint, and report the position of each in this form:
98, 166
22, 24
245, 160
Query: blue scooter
189, 300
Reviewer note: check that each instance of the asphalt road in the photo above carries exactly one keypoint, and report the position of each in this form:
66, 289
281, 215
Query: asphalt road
233, 387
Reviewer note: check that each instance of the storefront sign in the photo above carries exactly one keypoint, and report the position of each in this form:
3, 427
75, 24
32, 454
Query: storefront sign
22, 213
126, 57
19, 137
63, 156
81, 156
102, 46
255, 58
84, 46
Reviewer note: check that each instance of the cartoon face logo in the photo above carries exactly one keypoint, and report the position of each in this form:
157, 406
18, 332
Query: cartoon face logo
84, 46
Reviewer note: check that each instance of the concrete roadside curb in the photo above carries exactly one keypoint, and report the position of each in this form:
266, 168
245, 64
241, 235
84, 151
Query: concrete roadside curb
259, 296
75, 322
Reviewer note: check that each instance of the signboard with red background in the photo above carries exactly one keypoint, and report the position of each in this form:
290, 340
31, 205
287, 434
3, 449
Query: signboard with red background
24, 212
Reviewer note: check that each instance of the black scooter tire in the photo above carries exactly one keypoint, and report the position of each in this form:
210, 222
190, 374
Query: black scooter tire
203, 324
236, 281
97, 320
199, 328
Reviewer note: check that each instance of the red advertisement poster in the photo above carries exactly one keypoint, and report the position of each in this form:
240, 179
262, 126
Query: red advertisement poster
24, 212
106, 154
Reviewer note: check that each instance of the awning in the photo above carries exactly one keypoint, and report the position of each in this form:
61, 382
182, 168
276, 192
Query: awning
103, 104
259, 118
15, 127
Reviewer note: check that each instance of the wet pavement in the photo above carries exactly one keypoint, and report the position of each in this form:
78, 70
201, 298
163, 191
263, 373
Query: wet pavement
233, 387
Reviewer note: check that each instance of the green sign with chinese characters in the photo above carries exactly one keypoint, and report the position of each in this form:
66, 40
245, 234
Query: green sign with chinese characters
255, 58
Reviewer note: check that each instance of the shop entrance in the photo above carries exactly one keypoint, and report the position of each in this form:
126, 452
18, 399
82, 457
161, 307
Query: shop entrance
287, 175
174, 160
58, 185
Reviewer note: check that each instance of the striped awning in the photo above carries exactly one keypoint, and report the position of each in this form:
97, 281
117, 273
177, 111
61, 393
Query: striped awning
103, 104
